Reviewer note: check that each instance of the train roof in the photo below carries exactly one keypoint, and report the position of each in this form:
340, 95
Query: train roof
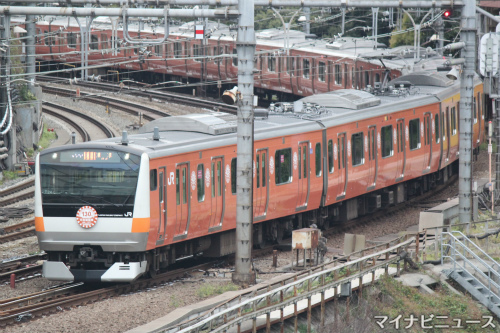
196, 132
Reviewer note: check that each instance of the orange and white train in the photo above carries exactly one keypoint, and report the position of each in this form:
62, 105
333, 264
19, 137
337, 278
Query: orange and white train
114, 209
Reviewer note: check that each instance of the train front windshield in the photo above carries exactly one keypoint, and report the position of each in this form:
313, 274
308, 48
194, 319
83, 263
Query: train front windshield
104, 178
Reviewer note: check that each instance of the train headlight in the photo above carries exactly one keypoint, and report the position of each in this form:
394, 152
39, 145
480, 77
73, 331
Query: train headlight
54, 156
127, 156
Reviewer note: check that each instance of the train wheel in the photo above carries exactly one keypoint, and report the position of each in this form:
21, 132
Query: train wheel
152, 269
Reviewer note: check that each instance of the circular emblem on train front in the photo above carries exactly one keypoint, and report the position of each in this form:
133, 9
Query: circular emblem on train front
86, 217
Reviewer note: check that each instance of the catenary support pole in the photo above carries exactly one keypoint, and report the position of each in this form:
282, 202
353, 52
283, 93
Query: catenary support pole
244, 174
30, 50
468, 35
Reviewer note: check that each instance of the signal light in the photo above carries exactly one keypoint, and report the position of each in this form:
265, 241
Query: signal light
447, 13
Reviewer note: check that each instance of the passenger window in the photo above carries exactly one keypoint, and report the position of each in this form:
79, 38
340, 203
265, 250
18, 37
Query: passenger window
330, 156
283, 163
318, 159
201, 183
153, 180
387, 142
358, 157
177, 188
414, 134
436, 127
233, 176
184, 186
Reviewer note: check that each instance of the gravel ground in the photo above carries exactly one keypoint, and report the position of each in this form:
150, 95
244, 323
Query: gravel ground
135, 309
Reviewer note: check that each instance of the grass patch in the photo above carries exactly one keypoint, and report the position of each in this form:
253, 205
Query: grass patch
209, 290
46, 138
484, 146
9, 175
394, 299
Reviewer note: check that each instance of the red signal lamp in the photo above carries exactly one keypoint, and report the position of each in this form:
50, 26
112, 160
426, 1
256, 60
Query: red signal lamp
447, 13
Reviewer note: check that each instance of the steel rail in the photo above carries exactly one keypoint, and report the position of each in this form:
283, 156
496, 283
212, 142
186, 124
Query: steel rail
10, 315
18, 187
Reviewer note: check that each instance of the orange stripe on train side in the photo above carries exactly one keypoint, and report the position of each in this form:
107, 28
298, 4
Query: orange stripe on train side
39, 226
140, 224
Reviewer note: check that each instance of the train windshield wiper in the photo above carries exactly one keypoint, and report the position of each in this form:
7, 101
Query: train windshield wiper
92, 196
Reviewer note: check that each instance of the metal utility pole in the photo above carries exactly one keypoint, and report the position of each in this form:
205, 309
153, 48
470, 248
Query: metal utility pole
307, 23
468, 36
30, 50
244, 174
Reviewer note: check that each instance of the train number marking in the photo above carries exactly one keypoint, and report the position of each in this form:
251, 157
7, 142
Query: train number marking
378, 140
349, 147
407, 133
366, 143
335, 151
422, 129
254, 169
395, 136
228, 173
193, 180
295, 160
271, 165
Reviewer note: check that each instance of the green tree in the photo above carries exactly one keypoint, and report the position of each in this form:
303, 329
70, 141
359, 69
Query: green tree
406, 38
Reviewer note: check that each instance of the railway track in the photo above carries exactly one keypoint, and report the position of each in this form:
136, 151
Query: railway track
59, 111
150, 94
20, 186
22, 267
17, 231
27, 307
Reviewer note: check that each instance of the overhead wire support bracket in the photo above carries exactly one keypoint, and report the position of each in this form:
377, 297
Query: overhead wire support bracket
131, 40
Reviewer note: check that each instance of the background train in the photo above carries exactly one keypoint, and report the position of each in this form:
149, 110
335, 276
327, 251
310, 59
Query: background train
114, 209
307, 66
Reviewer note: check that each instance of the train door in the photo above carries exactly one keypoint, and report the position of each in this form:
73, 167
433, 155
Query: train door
401, 149
427, 141
448, 136
372, 157
182, 200
217, 183
260, 201
342, 170
162, 205
303, 183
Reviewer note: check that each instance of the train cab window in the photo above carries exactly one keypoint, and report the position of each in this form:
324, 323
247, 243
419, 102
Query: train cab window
177, 49
235, 57
200, 183
153, 180
71, 40
233, 176
414, 126
436, 127
338, 74
377, 77
283, 162
317, 154
330, 156
321, 71
453, 121
271, 63
358, 157
197, 52
305, 68
387, 142
94, 42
